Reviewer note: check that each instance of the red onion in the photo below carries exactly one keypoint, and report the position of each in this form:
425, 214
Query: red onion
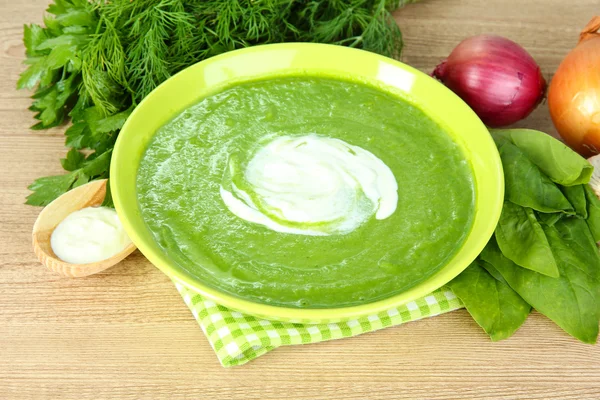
495, 76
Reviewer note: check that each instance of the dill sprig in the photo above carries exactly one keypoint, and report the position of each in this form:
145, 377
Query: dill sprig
93, 61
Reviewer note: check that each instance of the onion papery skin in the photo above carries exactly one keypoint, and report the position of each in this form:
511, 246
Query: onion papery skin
496, 77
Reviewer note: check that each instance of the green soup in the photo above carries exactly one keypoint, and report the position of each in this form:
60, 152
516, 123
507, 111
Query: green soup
362, 253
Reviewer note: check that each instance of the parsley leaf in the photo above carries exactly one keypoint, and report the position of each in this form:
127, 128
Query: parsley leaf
73, 161
50, 187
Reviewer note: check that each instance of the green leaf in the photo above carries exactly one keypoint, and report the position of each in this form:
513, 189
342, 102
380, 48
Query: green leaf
497, 308
50, 109
63, 40
77, 136
549, 219
78, 112
80, 3
40, 93
82, 180
51, 116
49, 76
62, 7
108, 201
103, 143
53, 27
501, 136
76, 18
492, 270
576, 196
527, 186
46, 189
571, 300
33, 60
40, 126
52, 102
92, 115
99, 124
60, 56
33, 35
76, 30
58, 7
73, 161
561, 164
32, 75
66, 89
98, 165
522, 240
74, 65
593, 212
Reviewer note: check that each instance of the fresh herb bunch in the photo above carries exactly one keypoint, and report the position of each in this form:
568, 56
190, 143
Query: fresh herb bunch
94, 61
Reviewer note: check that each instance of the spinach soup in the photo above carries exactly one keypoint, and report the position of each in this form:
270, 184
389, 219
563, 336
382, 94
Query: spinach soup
306, 192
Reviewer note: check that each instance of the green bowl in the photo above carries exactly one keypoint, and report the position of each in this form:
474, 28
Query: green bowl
210, 76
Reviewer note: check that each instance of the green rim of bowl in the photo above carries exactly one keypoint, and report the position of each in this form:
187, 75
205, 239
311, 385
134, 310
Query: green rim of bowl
210, 76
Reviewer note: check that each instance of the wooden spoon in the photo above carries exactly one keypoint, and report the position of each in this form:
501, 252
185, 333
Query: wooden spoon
88, 195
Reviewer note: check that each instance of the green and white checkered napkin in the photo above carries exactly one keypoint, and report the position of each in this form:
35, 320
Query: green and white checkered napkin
239, 338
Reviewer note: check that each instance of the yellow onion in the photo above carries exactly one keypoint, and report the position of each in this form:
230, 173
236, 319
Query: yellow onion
574, 93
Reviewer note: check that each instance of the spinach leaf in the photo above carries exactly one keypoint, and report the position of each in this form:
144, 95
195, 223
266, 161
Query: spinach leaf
501, 136
575, 248
498, 309
548, 219
576, 196
492, 270
571, 300
522, 240
527, 186
593, 211
552, 157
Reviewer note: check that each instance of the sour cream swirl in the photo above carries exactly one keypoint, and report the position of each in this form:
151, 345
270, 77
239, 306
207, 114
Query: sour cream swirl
310, 185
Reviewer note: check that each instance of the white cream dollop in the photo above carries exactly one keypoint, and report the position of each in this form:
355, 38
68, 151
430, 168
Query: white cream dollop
89, 235
311, 185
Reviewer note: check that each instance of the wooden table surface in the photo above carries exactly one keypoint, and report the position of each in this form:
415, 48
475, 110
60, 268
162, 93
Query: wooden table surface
127, 334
